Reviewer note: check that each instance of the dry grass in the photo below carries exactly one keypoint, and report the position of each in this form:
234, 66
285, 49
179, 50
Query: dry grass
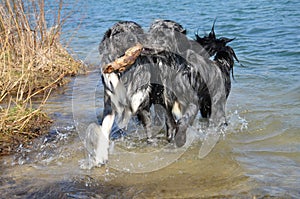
32, 63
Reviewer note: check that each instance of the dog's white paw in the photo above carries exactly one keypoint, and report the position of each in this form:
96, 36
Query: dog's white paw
102, 150
97, 144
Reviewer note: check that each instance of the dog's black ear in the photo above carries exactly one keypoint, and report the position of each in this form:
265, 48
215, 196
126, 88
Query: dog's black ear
212, 34
209, 42
225, 40
207, 39
107, 34
184, 31
198, 39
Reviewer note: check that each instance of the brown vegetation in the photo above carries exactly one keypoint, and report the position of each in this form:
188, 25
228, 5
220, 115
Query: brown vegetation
32, 63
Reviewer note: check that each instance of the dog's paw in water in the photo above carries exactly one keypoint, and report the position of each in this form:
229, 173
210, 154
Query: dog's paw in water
97, 144
180, 136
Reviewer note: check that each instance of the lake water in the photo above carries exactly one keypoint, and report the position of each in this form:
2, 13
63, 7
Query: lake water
259, 155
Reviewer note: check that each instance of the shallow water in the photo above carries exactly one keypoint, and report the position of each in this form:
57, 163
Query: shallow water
259, 155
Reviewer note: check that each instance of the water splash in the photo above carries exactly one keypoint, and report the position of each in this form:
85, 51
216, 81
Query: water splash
133, 154
45, 150
209, 136
97, 145
237, 123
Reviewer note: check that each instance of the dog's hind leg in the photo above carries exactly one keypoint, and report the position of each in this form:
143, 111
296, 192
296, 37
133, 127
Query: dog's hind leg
145, 118
184, 122
170, 125
205, 106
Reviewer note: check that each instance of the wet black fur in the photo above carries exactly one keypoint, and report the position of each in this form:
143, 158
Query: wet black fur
188, 86
224, 57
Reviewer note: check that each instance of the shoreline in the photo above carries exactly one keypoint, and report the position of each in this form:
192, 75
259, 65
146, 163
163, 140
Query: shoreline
33, 63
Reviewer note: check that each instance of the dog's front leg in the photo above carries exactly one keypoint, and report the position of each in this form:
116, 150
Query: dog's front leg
101, 149
184, 122
103, 141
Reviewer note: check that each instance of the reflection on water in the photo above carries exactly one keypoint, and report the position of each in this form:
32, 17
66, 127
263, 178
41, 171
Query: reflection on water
257, 157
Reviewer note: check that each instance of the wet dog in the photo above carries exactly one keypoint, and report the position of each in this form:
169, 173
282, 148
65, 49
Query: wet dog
224, 57
172, 71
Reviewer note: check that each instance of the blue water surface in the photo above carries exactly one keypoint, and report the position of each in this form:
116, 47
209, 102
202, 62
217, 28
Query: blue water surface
266, 88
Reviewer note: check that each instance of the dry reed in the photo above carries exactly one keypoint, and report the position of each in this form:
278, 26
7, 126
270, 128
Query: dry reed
32, 63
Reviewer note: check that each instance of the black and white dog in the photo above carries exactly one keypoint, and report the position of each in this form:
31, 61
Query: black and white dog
172, 71
224, 58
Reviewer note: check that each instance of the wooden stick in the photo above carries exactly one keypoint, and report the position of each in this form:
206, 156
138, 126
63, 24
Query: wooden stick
120, 64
